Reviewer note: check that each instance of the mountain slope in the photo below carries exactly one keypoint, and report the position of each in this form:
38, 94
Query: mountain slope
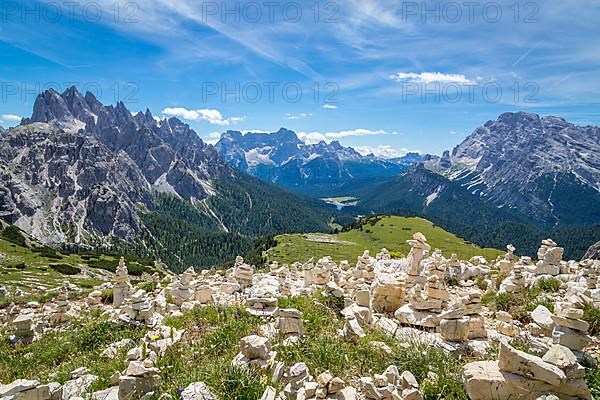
319, 169
543, 167
452, 206
372, 233
81, 173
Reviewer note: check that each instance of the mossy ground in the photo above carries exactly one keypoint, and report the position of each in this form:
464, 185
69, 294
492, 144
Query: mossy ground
390, 232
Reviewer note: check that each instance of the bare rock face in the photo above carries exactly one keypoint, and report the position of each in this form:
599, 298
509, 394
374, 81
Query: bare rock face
78, 170
593, 252
529, 163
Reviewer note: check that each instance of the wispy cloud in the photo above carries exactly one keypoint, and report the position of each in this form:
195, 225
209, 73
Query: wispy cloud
384, 151
11, 118
330, 106
315, 137
432, 77
298, 116
212, 116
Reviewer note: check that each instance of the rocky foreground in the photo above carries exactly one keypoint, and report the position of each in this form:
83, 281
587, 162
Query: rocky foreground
516, 329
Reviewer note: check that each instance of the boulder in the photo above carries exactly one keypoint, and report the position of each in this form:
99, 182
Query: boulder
520, 363
485, 381
254, 346
197, 391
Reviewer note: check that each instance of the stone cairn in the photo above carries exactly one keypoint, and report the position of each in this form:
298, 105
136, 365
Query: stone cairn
321, 273
391, 385
505, 324
518, 375
262, 304
242, 273
388, 293
140, 378
327, 387
140, 307
364, 268
24, 329
514, 282
289, 322
418, 247
425, 306
94, 300
203, 291
254, 351
569, 329
183, 290
506, 264
453, 266
463, 321
352, 330
308, 275
357, 314
384, 255
63, 312
297, 377
549, 258
122, 288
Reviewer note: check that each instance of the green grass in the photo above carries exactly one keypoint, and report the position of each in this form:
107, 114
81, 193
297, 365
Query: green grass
390, 232
56, 354
591, 314
39, 269
211, 342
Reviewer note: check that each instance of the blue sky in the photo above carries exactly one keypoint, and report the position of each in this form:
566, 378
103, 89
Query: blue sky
388, 73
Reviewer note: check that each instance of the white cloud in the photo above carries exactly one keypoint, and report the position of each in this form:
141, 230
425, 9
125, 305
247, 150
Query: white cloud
245, 131
312, 137
432, 77
316, 137
453, 132
212, 116
11, 118
298, 116
384, 151
330, 106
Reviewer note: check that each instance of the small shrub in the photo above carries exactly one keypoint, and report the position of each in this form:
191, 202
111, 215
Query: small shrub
396, 254
47, 252
505, 301
65, 269
107, 296
549, 284
20, 266
147, 286
454, 281
591, 315
241, 384
481, 282
592, 378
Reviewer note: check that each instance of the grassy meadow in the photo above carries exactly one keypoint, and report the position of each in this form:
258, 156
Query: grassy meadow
390, 232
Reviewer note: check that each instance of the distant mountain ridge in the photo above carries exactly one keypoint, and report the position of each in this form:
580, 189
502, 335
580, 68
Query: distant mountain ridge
318, 169
79, 172
544, 167
517, 179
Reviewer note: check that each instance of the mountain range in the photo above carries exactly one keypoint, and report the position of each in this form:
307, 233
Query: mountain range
322, 169
79, 172
543, 167
518, 179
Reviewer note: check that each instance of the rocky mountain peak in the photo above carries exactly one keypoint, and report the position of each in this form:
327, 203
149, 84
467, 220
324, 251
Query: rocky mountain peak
522, 160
